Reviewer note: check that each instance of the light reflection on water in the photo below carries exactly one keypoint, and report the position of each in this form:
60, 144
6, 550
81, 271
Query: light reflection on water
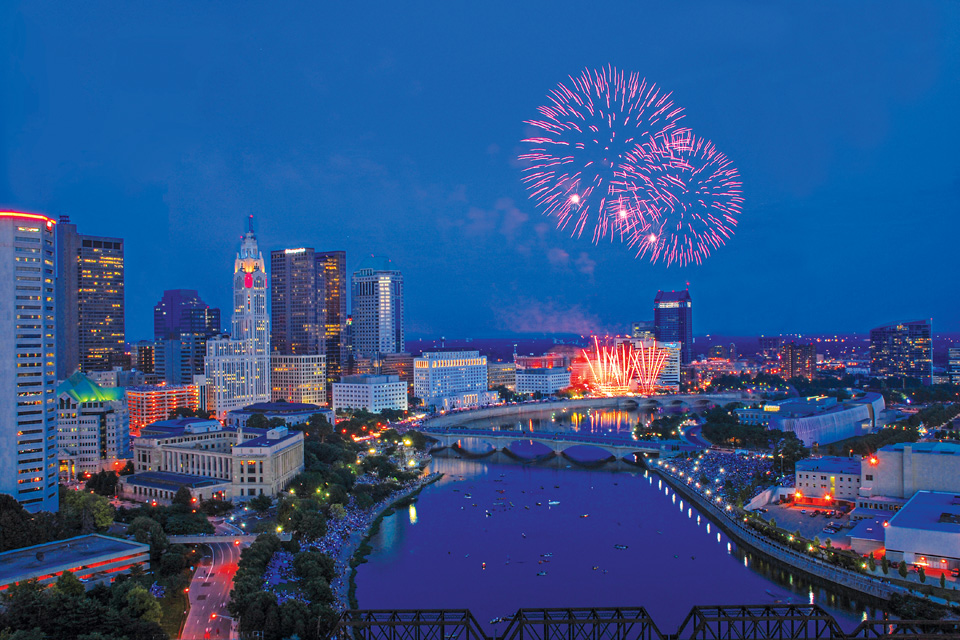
449, 553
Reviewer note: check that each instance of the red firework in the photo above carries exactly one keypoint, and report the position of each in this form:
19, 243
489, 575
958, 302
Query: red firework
614, 370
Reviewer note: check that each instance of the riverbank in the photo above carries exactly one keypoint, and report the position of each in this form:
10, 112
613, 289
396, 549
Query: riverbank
350, 553
832, 577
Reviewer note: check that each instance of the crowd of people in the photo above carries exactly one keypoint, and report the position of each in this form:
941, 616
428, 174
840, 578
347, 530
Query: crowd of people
724, 473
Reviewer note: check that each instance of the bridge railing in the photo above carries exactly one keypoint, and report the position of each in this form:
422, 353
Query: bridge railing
723, 622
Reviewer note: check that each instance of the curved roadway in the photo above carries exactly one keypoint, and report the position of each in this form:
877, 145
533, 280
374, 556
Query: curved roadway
210, 591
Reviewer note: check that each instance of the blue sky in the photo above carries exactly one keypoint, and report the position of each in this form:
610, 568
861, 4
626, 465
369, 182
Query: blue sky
393, 128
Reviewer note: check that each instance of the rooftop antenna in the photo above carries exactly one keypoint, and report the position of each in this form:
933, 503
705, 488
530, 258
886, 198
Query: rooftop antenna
250, 223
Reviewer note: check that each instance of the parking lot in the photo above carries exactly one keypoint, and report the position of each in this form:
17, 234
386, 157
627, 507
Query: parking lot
792, 519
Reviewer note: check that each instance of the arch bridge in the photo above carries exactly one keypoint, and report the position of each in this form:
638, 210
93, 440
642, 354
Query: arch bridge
618, 446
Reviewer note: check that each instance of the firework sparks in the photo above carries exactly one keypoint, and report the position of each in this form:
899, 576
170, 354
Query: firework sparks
578, 156
615, 370
698, 197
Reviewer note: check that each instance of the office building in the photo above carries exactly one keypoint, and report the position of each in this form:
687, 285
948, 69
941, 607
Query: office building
953, 366
798, 360
643, 330
770, 346
331, 269
90, 315
385, 364
143, 356
212, 461
823, 481
118, 377
377, 288
371, 393
292, 413
926, 531
28, 409
718, 351
673, 321
546, 361
93, 426
896, 472
92, 558
295, 303
903, 350
544, 381
153, 403
181, 311
440, 374
669, 378
179, 360
298, 378
502, 374
237, 370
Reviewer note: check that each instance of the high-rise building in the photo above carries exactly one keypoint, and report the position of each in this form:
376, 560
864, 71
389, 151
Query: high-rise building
143, 356
332, 283
90, 320
902, 350
182, 311
294, 303
298, 378
953, 366
93, 426
385, 364
448, 379
798, 360
178, 360
28, 408
673, 321
377, 288
237, 369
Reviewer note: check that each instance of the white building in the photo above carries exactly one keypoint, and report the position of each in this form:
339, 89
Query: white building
28, 408
237, 370
926, 531
545, 381
466, 400
372, 393
893, 474
93, 426
299, 378
377, 305
212, 461
670, 376
446, 374
818, 478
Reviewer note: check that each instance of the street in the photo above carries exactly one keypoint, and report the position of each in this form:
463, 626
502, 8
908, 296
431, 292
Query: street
210, 591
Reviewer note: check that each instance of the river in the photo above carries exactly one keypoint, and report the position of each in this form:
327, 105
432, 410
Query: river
493, 538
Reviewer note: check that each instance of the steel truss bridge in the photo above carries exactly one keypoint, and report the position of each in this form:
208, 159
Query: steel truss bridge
733, 622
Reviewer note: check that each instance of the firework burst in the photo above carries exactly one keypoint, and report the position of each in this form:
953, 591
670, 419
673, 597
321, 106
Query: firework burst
614, 370
575, 164
695, 199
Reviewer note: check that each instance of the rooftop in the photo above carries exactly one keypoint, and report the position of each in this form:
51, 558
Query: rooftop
672, 296
930, 511
271, 438
947, 448
870, 529
375, 263
279, 408
171, 481
830, 464
22, 564
83, 389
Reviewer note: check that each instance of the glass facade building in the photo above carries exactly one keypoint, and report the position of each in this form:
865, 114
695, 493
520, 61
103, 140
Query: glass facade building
673, 321
903, 350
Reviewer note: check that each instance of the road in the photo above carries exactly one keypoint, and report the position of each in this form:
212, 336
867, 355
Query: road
210, 591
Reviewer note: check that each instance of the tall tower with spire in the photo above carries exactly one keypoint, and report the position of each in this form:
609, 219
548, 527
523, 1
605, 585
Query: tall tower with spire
237, 369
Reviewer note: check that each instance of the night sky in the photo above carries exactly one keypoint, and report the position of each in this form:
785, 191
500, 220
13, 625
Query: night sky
393, 128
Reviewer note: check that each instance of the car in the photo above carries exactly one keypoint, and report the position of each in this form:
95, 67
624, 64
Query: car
955, 572
803, 510
816, 512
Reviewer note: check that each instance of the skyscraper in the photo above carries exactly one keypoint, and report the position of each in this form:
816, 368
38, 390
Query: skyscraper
673, 321
182, 311
28, 408
332, 283
295, 303
798, 360
237, 370
903, 350
377, 288
90, 320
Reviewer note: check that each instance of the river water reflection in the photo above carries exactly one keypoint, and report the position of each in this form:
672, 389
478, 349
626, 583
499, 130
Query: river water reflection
496, 537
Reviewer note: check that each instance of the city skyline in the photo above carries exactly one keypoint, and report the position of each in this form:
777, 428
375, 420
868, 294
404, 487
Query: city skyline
825, 125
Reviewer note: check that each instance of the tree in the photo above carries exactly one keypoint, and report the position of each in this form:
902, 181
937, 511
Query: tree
872, 562
902, 569
884, 565
140, 604
257, 421
319, 425
261, 503
828, 543
68, 584
84, 512
128, 469
148, 531
337, 512
183, 497
943, 580
922, 574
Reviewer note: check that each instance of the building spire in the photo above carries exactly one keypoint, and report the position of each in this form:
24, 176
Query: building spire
250, 223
